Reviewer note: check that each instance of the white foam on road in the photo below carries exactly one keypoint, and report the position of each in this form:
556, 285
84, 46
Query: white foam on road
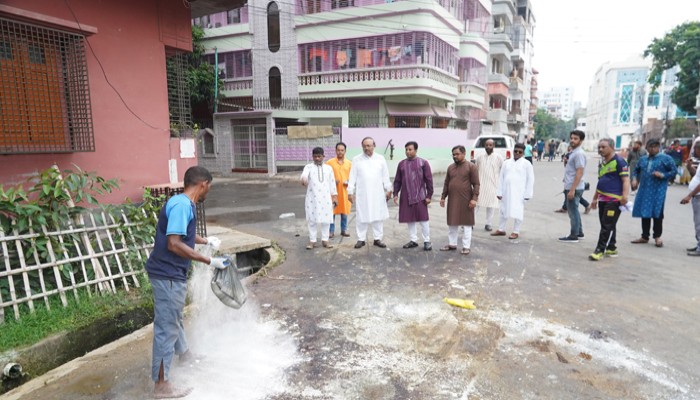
245, 356
521, 329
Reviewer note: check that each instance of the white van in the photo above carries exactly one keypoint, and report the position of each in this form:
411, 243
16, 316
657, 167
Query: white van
502, 145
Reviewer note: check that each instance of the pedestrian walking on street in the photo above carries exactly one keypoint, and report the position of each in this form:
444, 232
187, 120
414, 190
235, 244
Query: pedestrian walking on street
341, 171
612, 191
461, 190
574, 185
693, 197
552, 148
540, 149
489, 165
515, 186
583, 202
528, 152
167, 267
413, 184
635, 153
651, 176
369, 188
561, 150
321, 198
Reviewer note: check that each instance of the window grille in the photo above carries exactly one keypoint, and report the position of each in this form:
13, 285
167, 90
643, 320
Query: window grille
44, 91
178, 95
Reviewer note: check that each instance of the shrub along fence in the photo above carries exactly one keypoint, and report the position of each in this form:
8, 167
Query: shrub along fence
102, 255
52, 248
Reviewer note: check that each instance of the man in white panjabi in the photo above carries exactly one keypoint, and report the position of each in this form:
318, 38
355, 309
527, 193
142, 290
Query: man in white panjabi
489, 165
369, 188
515, 185
321, 197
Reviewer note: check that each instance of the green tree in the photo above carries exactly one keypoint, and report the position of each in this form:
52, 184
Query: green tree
201, 76
679, 47
545, 125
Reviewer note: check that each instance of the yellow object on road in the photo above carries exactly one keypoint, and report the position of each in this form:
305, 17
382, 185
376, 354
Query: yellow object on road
464, 303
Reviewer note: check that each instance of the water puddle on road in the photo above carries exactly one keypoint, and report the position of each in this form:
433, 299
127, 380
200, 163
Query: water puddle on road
245, 357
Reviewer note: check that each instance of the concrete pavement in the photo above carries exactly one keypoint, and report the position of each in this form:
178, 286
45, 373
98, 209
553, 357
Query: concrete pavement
370, 324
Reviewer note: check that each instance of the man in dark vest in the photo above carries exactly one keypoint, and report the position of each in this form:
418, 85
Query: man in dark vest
167, 268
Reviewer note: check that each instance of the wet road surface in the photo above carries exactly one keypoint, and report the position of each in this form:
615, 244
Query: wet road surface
343, 323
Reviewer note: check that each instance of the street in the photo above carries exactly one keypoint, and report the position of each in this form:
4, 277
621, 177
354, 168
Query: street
370, 323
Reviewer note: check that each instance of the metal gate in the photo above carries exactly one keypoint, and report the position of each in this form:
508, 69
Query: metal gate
250, 147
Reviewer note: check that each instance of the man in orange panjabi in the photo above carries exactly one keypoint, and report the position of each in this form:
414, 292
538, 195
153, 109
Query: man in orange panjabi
341, 170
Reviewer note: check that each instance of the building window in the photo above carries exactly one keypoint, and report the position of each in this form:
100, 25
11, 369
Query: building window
178, 95
626, 93
233, 16
207, 143
406, 122
499, 24
654, 100
273, 27
440, 123
275, 82
44, 91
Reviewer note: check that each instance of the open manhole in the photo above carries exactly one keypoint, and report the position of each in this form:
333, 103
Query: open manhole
250, 262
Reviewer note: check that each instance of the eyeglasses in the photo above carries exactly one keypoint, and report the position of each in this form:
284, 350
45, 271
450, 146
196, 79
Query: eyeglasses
518, 151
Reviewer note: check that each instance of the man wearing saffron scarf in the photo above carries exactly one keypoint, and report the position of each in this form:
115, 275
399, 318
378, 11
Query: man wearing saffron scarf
414, 183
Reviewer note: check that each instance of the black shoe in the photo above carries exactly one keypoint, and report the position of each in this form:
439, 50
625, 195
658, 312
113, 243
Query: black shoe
427, 246
580, 237
488, 228
568, 239
408, 245
693, 253
691, 249
359, 244
380, 244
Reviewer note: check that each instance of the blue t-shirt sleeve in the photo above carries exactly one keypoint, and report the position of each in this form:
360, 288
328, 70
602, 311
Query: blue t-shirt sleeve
179, 213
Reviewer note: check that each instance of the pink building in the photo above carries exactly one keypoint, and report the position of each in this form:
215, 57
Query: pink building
85, 83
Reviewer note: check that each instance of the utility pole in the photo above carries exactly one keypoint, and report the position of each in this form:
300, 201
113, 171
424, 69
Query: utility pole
216, 78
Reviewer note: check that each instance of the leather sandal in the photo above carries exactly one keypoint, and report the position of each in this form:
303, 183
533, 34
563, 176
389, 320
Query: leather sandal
640, 240
448, 248
498, 233
658, 242
513, 236
465, 251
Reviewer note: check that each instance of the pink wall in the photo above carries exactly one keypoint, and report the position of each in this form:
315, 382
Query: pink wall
130, 46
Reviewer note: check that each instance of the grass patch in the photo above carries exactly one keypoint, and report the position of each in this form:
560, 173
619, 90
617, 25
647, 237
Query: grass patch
34, 327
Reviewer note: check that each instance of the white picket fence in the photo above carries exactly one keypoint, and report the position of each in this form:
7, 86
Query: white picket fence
96, 254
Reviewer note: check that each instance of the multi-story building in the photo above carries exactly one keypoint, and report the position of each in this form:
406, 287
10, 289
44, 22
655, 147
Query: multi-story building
621, 101
559, 102
363, 67
510, 68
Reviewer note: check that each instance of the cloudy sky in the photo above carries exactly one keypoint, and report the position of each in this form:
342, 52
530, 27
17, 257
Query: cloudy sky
573, 38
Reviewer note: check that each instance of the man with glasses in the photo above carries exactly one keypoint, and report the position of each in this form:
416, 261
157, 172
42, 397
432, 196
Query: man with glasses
651, 176
574, 185
611, 192
515, 186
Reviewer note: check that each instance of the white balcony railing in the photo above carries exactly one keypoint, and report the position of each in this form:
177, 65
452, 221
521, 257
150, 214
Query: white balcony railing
378, 74
238, 83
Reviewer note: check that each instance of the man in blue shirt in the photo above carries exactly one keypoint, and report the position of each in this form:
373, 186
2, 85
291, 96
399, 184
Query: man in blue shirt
611, 192
167, 266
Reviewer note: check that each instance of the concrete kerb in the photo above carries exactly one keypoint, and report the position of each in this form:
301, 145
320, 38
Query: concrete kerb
232, 241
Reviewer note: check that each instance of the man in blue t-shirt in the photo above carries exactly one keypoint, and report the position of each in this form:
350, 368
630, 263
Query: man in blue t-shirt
167, 266
611, 192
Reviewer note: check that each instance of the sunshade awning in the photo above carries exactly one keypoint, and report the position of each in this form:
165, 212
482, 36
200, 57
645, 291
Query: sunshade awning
443, 112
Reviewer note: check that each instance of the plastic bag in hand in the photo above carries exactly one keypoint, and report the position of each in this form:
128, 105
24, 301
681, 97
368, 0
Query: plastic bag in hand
227, 286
